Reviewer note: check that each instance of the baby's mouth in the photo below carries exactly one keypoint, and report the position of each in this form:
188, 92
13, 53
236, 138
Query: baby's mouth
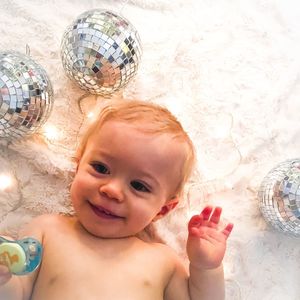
104, 213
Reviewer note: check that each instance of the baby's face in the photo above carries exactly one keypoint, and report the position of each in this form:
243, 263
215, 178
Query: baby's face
124, 179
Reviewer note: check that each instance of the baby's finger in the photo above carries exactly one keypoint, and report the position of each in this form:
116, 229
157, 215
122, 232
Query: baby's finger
215, 217
227, 230
5, 274
195, 221
194, 226
206, 212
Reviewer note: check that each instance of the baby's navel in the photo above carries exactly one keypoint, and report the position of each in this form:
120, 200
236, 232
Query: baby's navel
147, 283
52, 280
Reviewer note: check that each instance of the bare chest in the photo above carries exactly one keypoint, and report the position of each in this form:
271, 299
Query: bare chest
110, 270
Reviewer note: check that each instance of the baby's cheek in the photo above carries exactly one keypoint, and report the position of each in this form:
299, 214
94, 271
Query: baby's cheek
144, 217
75, 188
80, 180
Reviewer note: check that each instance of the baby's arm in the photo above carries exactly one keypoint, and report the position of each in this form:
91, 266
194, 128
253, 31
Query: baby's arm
206, 248
14, 287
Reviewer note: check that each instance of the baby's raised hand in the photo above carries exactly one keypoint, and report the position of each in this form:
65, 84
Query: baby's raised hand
206, 243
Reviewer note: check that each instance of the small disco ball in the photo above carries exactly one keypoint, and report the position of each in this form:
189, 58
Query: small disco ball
26, 95
279, 197
101, 51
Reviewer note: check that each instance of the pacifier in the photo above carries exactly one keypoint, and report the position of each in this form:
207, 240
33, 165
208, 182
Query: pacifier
21, 256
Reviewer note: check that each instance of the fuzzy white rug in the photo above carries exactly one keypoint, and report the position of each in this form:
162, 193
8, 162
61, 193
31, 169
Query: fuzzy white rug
230, 71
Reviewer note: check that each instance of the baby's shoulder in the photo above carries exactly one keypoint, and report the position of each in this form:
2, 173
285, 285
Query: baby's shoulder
47, 220
167, 259
166, 252
43, 223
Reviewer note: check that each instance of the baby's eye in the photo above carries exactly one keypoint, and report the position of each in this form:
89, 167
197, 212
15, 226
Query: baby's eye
100, 168
139, 186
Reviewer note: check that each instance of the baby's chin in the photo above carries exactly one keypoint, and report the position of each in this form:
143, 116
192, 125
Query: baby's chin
105, 234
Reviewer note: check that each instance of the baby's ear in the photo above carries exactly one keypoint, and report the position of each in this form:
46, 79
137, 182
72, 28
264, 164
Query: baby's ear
171, 204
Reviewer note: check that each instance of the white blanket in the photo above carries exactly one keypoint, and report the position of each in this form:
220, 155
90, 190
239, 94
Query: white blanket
229, 70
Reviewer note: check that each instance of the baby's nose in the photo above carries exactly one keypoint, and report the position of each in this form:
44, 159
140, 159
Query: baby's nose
113, 190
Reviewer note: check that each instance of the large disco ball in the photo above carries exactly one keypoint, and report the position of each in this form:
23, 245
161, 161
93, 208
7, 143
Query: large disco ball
26, 95
101, 51
279, 197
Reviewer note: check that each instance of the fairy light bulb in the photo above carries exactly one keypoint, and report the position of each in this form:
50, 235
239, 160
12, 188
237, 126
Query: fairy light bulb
51, 132
221, 126
90, 115
220, 132
228, 185
6, 181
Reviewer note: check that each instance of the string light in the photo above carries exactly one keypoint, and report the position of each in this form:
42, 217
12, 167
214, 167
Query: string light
6, 181
51, 132
219, 127
90, 115
222, 125
220, 132
228, 185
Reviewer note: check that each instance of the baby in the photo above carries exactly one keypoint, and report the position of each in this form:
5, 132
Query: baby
133, 162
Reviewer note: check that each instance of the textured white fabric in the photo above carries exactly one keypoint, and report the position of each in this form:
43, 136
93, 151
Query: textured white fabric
231, 65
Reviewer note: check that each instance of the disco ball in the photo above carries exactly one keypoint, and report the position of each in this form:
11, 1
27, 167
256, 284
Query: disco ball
101, 51
279, 197
26, 95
